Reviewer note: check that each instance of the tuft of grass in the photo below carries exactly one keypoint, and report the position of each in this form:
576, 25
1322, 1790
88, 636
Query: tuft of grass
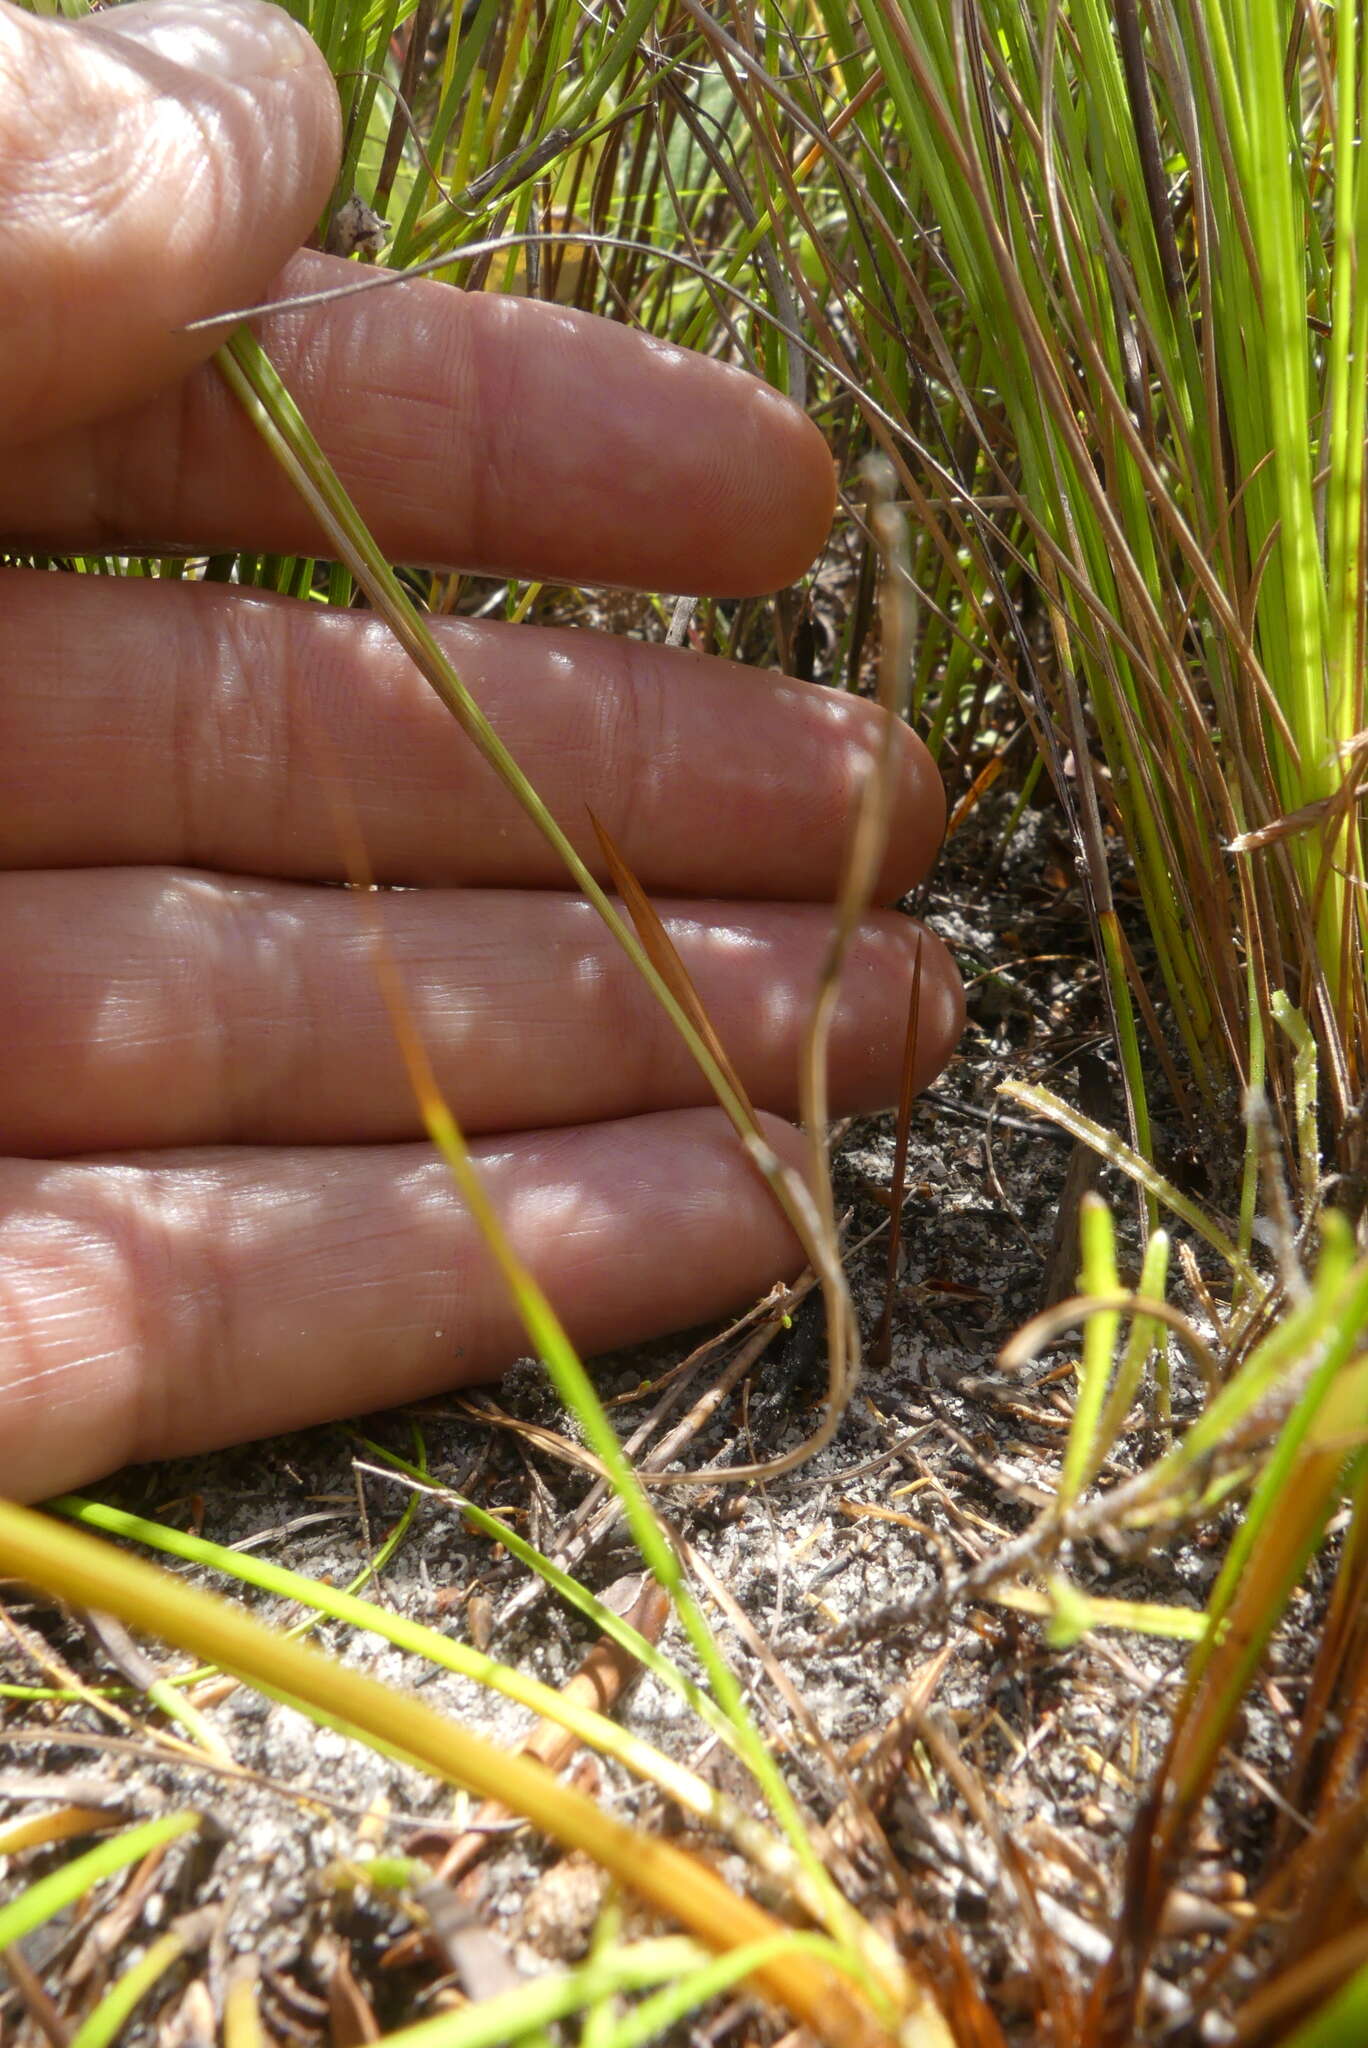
1090, 275
825, 1983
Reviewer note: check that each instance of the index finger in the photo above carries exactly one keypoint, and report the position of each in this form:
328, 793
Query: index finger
473, 431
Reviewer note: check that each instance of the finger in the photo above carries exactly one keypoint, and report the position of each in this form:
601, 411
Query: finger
156, 162
471, 429
190, 725
153, 1308
154, 1009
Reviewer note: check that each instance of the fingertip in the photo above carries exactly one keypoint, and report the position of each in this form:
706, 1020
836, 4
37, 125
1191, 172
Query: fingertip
159, 163
935, 984
577, 449
779, 1256
898, 973
784, 494
786, 1141
916, 825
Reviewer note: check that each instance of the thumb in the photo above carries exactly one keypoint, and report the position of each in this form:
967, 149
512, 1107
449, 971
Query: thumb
157, 163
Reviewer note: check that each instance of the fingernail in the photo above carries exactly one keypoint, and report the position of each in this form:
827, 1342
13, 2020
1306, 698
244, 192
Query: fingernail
231, 40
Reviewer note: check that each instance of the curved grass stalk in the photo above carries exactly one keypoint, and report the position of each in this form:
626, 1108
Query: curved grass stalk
269, 406
1050, 1324
868, 841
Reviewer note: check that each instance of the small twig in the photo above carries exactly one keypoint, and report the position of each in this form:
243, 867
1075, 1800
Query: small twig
606, 1673
883, 1342
681, 618
40, 2008
599, 1513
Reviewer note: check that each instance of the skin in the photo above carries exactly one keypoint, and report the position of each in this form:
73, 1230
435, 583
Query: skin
218, 1218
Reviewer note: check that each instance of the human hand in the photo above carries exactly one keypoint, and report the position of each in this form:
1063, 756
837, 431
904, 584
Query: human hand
217, 1217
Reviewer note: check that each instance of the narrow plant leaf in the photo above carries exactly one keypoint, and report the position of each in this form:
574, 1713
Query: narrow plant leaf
897, 1188
1113, 1149
1297, 1492
1099, 1280
663, 955
107, 2022
60, 1824
272, 411
1073, 1613
60, 1889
